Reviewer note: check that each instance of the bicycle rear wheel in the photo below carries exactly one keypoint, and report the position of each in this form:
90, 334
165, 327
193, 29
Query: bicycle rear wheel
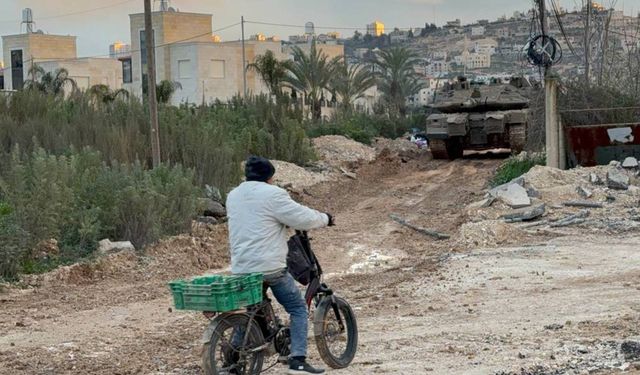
336, 332
234, 347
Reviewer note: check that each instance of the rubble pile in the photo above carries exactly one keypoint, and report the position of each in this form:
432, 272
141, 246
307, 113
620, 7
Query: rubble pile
296, 177
601, 199
338, 151
401, 147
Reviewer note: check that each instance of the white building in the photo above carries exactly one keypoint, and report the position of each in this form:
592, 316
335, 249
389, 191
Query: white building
477, 31
423, 98
437, 68
486, 46
473, 60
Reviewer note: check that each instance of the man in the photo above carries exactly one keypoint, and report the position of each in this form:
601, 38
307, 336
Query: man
259, 214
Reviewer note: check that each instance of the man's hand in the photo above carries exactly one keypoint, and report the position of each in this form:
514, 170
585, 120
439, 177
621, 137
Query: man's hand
332, 221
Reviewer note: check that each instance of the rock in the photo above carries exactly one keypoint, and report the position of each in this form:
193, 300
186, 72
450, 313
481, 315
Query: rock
212, 208
595, 179
207, 220
533, 193
614, 163
617, 179
630, 162
512, 194
554, 327
584, 192
487, 202
524, 214
351, 175
107, 247
631, 350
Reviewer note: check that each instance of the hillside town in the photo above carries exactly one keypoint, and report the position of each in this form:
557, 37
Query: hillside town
217, 193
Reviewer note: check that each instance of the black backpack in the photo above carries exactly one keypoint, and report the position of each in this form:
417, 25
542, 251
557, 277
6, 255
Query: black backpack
301, 261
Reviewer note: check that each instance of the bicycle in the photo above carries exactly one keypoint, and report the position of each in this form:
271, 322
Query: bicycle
237, 343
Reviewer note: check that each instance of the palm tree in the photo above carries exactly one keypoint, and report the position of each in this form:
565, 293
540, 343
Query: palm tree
350, 82
52, 83
102, 93
166, 89
311, 74
272, 71
396, 77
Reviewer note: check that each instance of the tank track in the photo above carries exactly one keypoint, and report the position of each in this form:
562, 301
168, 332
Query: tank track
517, 137
439, 149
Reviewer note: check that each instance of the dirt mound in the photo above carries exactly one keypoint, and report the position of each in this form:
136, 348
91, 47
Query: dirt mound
399, 146
488, 233
339, 151
288, 174
178, 256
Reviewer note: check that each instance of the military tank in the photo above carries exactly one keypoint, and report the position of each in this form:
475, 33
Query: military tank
474, 116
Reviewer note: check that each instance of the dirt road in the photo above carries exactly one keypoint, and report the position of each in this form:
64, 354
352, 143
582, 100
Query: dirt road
424, 306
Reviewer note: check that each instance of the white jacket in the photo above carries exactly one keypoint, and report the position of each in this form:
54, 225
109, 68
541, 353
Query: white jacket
259, 215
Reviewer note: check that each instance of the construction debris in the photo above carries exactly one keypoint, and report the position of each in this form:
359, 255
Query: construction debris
427, 232
586, 204
107, 247
512, 194
574, 219
617, 179
584, 192
524, 214
630, 162
351, 175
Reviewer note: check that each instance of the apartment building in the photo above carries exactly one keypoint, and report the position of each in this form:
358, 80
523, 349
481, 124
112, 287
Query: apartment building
51, 52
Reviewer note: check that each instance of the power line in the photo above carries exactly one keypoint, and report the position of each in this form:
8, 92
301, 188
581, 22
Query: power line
320, 27
75, 13
134, 51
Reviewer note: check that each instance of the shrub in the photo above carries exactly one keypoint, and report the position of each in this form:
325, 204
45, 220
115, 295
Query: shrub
516, 166
78, 199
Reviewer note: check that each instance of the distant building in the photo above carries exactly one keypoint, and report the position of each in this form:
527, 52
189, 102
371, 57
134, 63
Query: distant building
486, 46
453, 24
376, 28
477, 31
398, 36
51, 52
119, 49
259, 37
473, 60
437, 68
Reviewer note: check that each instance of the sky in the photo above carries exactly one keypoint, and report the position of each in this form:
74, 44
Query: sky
97, 28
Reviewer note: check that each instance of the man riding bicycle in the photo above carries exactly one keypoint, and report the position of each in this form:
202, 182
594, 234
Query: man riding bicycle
259, 214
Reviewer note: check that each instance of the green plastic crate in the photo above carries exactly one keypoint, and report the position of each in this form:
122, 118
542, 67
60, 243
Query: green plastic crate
219, 293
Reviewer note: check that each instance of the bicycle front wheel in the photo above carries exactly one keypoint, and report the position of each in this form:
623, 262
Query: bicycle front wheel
234, 348
336, 332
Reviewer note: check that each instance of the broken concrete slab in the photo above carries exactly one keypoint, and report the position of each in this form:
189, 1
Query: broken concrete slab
617, 179
595, 179
525, 214
512, 194
630, 162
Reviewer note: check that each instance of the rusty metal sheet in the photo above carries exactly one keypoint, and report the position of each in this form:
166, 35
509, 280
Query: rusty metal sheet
589, 145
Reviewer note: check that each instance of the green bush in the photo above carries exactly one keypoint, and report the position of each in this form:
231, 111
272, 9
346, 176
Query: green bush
78, 199
364, 128
516, 166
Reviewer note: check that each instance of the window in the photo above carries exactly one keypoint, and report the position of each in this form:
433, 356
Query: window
17, 70
127, 76
184, 69
217, 68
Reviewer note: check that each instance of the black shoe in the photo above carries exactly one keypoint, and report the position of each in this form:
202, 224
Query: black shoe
297, 366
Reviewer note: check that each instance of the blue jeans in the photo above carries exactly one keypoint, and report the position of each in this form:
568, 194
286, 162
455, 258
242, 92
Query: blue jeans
286, 292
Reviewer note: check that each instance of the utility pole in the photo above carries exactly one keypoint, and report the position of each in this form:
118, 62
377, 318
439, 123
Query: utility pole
151, 83
587, 49
244, 61
553, 132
